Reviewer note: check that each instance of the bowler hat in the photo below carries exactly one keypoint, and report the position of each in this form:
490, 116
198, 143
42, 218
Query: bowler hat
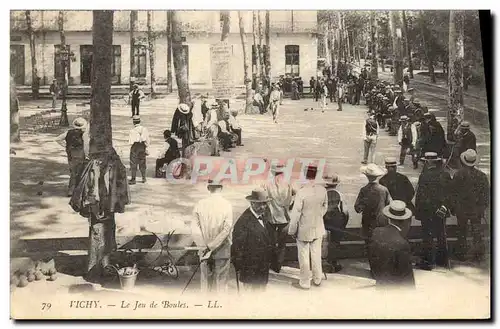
469, 158
397, 210
372, 170
258, 195
465, 125
391, 162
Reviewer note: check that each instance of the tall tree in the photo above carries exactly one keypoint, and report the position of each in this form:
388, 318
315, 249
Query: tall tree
64, 61
374, 43
246, 64
15, 135
133, 28
397, 47
267, 54
407, 44
261, 46
151, 51
456, 69
255, 50
226, 25
169, 51
429, 54
180, 60
340, 33
35, 84
331, 41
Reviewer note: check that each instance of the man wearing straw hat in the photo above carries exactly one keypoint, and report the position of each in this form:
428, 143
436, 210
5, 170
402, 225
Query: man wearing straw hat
372, 198
76, 142
390, 252
335, 220
471, 197
214, 218
432, 204
280, 194
307, 227
252, 251
139, 142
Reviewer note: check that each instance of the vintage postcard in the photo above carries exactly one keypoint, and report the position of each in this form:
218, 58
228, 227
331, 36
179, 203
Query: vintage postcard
259, 164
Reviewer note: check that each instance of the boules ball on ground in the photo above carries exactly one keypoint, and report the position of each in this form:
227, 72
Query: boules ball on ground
38, 275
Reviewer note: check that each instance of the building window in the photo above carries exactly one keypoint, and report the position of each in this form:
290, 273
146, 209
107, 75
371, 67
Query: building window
116, 65
292, 60
139, 61
58, 71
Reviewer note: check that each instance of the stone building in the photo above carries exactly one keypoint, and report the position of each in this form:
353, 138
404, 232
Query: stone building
293, 45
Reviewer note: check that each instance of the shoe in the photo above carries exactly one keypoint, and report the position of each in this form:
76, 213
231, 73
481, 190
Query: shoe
364, 162
144, 180
425, 266
240, 145
317, 284
298, 286
337, 268
415, 166
401, 163
131, 182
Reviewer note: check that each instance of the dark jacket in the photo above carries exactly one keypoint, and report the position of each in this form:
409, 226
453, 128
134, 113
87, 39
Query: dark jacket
435, 140
467, 141
470, 191
372, 198
433, 191
400, 188
183, 127
390, 258
252, 251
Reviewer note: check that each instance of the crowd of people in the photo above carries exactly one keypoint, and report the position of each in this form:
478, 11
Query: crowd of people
256, 242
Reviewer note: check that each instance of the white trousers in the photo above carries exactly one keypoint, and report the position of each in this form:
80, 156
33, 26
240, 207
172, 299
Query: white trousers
310, 259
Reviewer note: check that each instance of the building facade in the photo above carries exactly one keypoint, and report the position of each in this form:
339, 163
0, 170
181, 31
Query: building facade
293, 45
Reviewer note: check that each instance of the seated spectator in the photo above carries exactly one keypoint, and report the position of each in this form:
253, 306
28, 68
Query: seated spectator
167, 154
258, 101
235, 126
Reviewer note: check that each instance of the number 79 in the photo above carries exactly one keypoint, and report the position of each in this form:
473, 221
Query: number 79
46, 306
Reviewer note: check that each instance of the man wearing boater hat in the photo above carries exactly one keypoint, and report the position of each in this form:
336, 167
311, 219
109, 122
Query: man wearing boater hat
214, 218
253, 248
390, 252
280, 194
372, 198
471, 197
139, 142
432, 204
308, 228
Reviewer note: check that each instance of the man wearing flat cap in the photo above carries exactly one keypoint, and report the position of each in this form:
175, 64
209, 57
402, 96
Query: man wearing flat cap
390, 252
471, 197
372, 198
306, 225
407, 137
253, 248
432, 204
214, 218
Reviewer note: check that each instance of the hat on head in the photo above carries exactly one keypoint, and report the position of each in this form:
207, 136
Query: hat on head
403, 118
136, 118
427, 115
372, 170
410, 89
277, 168
431, 156
212, 183
183, 108
331, 179
136, 85
258, 195
465, 125
391, 162
397, 210
79, 123
397, 90
469, 158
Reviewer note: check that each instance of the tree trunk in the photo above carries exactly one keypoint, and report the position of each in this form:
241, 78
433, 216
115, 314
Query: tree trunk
256, 51
341, 43
64, 109
367, 45
226, 25
246, 64
169, 51
268, 46
15, 135
455, 69
428, 52
407, 44
100, 114
35, 83
180, 61
151, 50
331, 39
397, 47
261, 48
133, 28
374, 40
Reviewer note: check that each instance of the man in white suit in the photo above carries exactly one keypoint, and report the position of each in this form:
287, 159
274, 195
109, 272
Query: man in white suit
307, 226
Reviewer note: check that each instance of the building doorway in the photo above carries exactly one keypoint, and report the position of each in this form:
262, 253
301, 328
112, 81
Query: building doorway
86, 54
17, 63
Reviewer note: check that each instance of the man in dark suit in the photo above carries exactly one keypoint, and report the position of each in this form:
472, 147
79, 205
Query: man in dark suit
466, 138
390, 252
252, 251
432, 199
